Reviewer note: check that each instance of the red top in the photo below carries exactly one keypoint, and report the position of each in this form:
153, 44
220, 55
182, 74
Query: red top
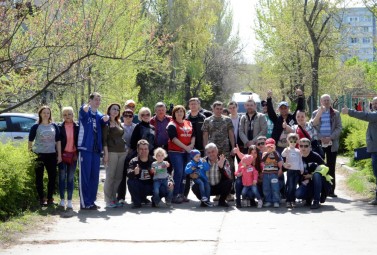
181, 131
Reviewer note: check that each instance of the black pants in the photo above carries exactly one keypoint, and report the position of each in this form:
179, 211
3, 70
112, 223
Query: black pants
48, 161
222, 189
331, 163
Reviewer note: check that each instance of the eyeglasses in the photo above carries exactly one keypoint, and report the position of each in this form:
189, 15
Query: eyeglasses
128, 116
304, 146
145, 114
261, 143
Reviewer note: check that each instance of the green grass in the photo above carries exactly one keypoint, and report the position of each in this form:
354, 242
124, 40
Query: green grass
359, 183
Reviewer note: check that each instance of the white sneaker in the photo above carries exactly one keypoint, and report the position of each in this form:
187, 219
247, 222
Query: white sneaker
62, 203
230, 198
217, 197
276, 205
260, 203
69, 204
204, 199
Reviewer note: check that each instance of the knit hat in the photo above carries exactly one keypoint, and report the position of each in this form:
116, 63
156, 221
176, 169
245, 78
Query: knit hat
193, 153
247, 160
270, 142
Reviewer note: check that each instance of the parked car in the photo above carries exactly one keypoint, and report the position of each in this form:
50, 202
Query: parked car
16, 126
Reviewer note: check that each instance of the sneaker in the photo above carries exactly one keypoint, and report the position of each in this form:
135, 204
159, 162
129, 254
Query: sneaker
146, 201
185, 199
95, 207
112, 204
121, 201
42, 202
333, 195
208, 203
315, 205
373, 202
260, 203
168, 203
288, 204
177, 200
204, 199
217, 197
276, 205
267, 204
62, 203
230, 198
69, 204
50, 201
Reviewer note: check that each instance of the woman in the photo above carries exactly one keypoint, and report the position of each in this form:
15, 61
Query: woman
69, 131
114, 155
143, 130
181, 142
128, 127
44, 140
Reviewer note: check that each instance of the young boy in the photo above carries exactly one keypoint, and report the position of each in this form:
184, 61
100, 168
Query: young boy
197, 171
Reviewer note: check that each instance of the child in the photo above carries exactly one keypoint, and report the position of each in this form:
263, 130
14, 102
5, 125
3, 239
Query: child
295, 166
160, 178
249, 179
197, 170
272, 169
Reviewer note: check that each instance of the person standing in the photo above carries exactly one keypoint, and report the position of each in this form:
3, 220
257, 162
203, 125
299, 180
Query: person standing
197, 119
371, 135
90, 147
160, 121
44, 141
131, 105
144, 130
69, 131
329, 126
270, 124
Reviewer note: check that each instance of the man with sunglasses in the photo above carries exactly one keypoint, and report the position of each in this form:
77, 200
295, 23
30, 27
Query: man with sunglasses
314, 186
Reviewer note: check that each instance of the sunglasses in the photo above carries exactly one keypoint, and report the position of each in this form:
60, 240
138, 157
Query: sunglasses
128, 116
261, 143
304, 146
263, 105
145, 115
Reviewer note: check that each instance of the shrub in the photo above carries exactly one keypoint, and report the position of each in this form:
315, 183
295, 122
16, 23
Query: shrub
17, 179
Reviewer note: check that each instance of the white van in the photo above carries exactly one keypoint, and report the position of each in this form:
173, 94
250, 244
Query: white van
242, 97
16, 126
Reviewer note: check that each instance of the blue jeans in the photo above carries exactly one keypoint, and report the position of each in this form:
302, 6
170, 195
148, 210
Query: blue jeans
161, 185
250, 192
66, 175
271, 188
204, 187
311, 191
374, 166
179, 161
293, 177
141, 189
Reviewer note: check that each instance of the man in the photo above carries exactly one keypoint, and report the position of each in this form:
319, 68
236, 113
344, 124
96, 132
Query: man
90, 147
218, 176
328, 124
253, 124
233, 110
197, 108
130, 104
314, 186
140, 181
270, 124
371, 135
197, 119
160, 122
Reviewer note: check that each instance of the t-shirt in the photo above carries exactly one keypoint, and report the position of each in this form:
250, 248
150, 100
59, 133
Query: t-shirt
271, 161
218, 128
145, 167
310, 159
45, 139
161, 170
293, 157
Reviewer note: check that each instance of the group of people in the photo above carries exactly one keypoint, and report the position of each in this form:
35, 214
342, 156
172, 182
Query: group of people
164, 156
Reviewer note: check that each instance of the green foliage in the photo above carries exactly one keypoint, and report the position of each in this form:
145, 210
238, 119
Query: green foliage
17, 181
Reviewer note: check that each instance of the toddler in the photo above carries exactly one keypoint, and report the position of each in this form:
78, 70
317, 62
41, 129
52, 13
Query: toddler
160, 178
197, 170
249, 179
295, 166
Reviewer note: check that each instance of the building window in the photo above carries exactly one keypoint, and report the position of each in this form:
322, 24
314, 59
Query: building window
366, 29
354, 40
366, 40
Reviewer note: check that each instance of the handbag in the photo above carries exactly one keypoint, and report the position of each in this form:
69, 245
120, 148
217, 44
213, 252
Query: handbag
68, 157
315, 144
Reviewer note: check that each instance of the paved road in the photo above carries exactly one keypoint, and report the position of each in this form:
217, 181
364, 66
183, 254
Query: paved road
341, 226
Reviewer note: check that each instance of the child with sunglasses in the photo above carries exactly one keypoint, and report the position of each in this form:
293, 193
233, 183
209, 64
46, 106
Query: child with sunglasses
295, 166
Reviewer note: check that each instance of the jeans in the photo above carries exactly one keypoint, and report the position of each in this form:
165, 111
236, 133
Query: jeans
66, 179
223, 189
374, 166
311, 191
140, 189
271, 188
178, 161
250, 192
331, 163
158, 185
293, 177
204, 187
49, 161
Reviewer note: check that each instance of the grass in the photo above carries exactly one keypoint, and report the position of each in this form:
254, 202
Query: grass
360, 184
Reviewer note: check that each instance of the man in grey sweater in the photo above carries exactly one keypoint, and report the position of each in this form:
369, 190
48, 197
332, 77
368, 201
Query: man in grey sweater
371, 135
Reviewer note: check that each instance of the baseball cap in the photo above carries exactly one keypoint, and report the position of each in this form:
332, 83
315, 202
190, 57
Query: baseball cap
247, 160
193, 153
283, 103
270, 142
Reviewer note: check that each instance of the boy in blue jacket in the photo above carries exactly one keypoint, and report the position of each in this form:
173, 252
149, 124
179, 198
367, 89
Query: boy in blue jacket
197, 169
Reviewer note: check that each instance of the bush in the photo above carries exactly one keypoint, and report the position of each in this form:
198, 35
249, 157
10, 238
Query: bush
17, 179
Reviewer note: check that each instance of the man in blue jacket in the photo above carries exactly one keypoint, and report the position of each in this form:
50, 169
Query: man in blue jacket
90, 147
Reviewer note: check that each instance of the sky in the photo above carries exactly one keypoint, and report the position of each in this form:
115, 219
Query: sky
244, 16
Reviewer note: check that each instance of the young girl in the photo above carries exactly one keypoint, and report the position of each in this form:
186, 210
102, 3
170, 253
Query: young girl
249, 179
197, 170
295, 166
160, 176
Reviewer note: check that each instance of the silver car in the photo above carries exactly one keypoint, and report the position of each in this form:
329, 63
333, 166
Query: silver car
16, 126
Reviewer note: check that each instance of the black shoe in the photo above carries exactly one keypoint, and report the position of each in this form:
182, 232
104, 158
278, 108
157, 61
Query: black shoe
252, 203
315, 205
202, 204
50, 202
223, 204
96, 206
146, 201
42, 202
135, 206
208, 203
332, 195
238, 205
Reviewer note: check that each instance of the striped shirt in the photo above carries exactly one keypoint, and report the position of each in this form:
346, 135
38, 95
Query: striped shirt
214, 175
325, 128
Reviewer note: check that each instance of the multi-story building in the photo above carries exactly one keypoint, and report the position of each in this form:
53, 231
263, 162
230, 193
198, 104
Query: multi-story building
359, 34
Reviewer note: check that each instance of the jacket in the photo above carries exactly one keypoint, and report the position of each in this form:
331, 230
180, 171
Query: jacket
63, 134
259, 127
198, 168
371, 135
